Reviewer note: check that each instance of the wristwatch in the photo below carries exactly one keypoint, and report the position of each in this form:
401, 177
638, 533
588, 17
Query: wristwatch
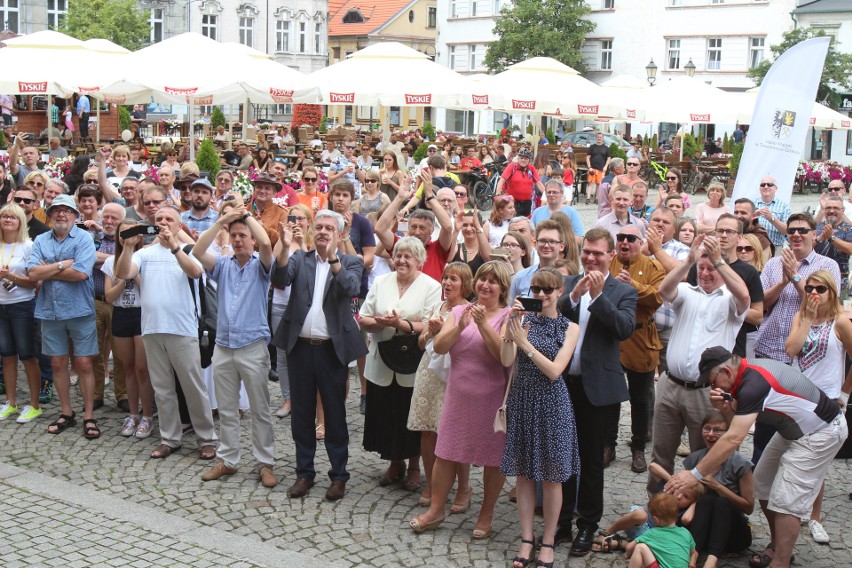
796, 279
333, 261
530, 354
60, 266
718, 264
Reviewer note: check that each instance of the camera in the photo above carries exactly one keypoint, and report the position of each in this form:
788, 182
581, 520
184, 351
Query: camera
8, 284
139, 230
531, 304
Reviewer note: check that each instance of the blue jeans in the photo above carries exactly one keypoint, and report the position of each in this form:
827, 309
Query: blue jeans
17, 330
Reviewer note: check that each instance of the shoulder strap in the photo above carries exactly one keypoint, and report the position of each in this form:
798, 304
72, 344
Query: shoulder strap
188, 249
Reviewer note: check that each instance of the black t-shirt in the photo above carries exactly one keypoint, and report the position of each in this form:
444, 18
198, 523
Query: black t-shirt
751, 277
36, 228
361, 234
598, 155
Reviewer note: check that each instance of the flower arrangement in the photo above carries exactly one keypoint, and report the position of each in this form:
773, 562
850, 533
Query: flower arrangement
307, 115
243, 183
150, 173
294, 180
58, 168
823, 172
169, 126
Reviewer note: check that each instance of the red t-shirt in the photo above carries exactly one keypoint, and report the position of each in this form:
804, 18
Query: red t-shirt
520, 183
467, 163
436, 259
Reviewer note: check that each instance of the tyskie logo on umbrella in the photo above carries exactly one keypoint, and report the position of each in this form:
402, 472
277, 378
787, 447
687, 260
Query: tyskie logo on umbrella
341, 98
208, 100
523, 105
418, 99
115, 99
631, 113
39, 87
281, 95
87, 90
695, 117
480, 99
587, 109
783, 123
180, 92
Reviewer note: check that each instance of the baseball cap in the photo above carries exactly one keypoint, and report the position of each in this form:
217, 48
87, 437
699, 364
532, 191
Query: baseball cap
202, 182
711, 358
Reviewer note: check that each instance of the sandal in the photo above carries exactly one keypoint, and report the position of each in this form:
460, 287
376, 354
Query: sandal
90, 429
461, 505
163, 451
762, 560
62, 423
520, 561
541, 563
412, 480
608, 543
207, 452
320, 432
418, 526
392, 474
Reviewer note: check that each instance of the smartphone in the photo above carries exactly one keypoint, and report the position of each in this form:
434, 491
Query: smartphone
139, 230
292, 219
402, 226
727, 396
530, 304
82, 226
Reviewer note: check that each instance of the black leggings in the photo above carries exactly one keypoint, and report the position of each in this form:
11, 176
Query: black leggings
719, 527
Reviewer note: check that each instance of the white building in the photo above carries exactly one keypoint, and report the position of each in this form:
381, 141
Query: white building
722, 38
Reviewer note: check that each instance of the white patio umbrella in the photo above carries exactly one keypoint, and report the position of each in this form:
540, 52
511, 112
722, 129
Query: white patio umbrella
686, 100
631, 93
266, 81
42, 63
821, 116
412, 79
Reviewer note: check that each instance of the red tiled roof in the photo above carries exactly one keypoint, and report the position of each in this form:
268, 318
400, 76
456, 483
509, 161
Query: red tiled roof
376, 14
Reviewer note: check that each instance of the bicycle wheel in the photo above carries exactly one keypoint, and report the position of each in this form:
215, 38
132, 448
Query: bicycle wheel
484, 195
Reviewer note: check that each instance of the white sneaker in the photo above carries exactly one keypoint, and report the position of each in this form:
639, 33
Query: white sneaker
818, 532
131, 423
74, 380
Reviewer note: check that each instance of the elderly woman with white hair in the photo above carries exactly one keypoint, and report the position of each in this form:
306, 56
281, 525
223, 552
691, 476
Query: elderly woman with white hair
397, 303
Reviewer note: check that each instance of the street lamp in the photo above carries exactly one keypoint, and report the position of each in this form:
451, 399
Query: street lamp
651, 71
689, 68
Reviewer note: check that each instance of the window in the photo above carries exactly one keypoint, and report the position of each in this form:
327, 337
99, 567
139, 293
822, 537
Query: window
155, 20
9, 14
411, 16
353, 16
432, 17
335, 53
477, 54
282, 36
317, 38
497, 7
756, 54
454, 8
209, 26
247, 31
473, 7
282, 109
303, 27
849, 142
606, 55
718, 1
714, 53
452, 57
56, 11
609, 4
677, 2
674, 54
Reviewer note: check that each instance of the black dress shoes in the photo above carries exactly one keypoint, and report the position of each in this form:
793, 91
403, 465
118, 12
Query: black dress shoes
582, 544
300, 488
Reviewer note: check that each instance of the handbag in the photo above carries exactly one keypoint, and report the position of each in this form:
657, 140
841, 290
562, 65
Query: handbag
500, 423
207, 320
401, 353
439, 365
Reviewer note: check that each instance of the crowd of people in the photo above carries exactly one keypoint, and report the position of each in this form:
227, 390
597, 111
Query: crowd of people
508, 342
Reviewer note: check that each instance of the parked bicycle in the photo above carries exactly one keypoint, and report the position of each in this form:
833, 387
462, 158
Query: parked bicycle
483, 185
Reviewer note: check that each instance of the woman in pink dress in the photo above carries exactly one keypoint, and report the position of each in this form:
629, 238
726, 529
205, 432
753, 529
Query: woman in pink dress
475, 389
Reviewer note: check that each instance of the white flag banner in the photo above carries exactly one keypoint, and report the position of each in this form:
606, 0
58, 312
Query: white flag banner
781, 120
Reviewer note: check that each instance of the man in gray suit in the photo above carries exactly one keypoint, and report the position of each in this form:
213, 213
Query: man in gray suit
605, 310
321, 338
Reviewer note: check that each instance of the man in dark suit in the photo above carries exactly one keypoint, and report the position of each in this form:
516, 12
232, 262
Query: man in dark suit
605, 310
321, 338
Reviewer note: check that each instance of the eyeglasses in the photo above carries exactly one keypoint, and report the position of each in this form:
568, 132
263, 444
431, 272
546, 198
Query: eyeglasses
309, 180
632, 164
547, 290
671, 178
24, 200
152, 202
726, 232
431, 150
799, 230
8, 218
62, 211
620, 237
746, 248
717, 431
595, 253
460, 194
819, 289
510, 245
548, 242
223, 180
365, 149
36, 183
766, 184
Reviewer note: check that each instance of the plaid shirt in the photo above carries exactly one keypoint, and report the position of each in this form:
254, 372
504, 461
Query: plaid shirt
776, 326
201, 224
665, 314
781, 211
842, 231
105, 245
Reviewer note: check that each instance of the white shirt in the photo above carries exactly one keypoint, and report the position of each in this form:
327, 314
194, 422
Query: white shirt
15, 256
167, 304
701, 320
129, 297
315, 326
586, 300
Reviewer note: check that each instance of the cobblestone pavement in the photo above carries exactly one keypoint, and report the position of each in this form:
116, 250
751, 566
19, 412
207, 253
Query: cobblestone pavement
69, 501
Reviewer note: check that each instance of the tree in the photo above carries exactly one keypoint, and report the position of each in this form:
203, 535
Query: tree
119, 21
546, 28
217, 118
835, 73
207, 158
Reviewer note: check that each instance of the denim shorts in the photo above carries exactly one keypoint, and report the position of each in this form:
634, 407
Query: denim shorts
17, 330
82, 331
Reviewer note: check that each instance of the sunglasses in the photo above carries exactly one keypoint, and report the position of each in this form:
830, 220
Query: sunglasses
371, 181
460, 194
432, 151
620, 237
835, 189
799, 230
309, 180
632, 164
24, 200
152, 202
36, 183
820, 289
671, 178
547, 290
767, 184
746, 248
351, 147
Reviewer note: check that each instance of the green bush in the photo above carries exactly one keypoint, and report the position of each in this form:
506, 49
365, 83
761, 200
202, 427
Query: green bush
3, 142
690, 146
655, 143
726, 144
736, 156
551, 137
217, 118
123, 119
428, 130
323, 125
617, 152
207, 158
